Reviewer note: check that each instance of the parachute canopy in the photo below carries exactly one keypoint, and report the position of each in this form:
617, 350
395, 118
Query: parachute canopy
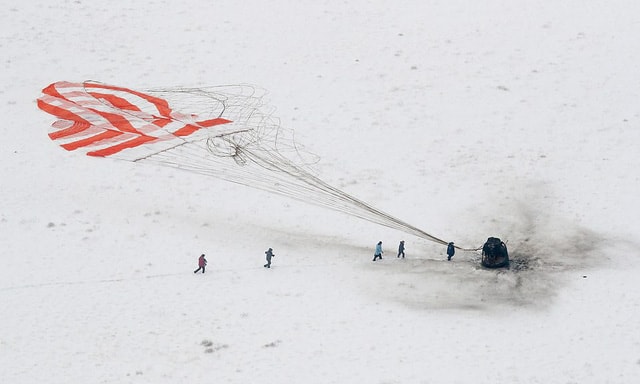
104, 120
225, 132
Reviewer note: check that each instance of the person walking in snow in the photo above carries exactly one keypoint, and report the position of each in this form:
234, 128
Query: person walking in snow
202, 262
401, 249
451, 250
378, 253
269, 254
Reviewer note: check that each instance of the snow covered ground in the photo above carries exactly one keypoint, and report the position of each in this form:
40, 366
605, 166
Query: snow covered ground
466, 119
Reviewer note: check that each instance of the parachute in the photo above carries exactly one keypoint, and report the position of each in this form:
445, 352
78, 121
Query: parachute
225, 132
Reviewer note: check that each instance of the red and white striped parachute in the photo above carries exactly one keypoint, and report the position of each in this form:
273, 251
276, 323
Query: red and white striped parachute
225, 132
105, 120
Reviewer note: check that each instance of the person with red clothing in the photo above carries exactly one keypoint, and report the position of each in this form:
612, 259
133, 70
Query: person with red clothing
202, 262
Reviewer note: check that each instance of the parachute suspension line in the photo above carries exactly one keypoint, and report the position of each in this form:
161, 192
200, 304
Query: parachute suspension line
338, 200
259, 153
269, 171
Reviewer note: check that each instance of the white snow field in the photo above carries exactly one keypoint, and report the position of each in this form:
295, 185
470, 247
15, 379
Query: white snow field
467, 119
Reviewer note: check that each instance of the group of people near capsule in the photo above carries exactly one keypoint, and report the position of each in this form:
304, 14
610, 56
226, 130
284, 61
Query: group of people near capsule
202, 261
377, 254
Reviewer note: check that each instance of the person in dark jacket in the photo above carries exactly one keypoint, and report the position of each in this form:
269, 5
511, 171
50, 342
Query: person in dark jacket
401, 249
451, 250
269, 254
202, 262
378, 252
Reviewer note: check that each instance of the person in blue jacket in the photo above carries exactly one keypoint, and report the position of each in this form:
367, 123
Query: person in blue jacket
269, 254
401, 249
378, 253
451, 250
